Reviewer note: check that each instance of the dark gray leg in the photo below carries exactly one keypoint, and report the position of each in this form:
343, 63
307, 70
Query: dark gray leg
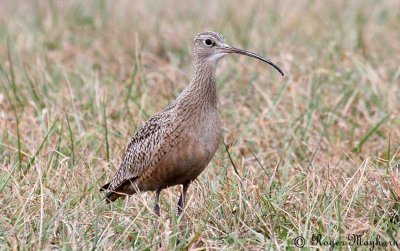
157, 204
182, 198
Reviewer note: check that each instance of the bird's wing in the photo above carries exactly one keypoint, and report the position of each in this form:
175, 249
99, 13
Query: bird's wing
141, 151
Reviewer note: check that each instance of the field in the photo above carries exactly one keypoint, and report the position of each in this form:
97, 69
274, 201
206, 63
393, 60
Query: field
317, 151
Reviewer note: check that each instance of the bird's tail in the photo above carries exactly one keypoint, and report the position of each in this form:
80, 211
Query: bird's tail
121, 191
111, 195
105, 187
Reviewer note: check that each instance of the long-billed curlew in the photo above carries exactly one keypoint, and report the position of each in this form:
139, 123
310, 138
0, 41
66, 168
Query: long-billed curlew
175, 145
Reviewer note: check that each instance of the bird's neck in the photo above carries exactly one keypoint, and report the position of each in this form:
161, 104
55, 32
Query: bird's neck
203, 85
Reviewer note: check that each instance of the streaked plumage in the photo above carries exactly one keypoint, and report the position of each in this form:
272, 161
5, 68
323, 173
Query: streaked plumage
175, 145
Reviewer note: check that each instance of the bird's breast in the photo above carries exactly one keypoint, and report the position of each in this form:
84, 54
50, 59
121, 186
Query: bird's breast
197, 148
209, 132
204, 138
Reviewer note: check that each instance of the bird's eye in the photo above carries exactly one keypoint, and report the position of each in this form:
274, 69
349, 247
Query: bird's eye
208, 41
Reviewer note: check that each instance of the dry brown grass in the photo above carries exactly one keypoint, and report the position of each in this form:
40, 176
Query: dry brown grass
318, 151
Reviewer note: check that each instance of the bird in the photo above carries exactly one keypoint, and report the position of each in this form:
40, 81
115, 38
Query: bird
175, 145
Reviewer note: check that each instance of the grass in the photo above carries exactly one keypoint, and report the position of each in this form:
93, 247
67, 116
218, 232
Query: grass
317, 151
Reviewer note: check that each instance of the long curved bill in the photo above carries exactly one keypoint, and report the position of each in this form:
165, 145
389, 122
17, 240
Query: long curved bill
250, 54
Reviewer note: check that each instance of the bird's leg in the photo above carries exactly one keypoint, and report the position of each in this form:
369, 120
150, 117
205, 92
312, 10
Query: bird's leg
181, 202
157, 204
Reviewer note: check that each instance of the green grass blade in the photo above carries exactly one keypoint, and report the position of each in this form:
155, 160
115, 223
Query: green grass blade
71, 137
106, 131
32, 160
374, 129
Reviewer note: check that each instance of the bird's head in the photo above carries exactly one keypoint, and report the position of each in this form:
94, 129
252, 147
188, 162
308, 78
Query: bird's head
211, 46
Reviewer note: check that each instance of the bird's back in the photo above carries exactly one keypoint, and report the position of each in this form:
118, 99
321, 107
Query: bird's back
142, 150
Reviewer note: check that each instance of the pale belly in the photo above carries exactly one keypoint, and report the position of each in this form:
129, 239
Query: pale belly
187, 159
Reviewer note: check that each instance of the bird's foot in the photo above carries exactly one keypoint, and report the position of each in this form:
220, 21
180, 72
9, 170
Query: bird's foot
180, 207
157, 209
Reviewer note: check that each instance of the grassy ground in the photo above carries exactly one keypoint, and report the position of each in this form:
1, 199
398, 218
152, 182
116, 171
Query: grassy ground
317, 151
